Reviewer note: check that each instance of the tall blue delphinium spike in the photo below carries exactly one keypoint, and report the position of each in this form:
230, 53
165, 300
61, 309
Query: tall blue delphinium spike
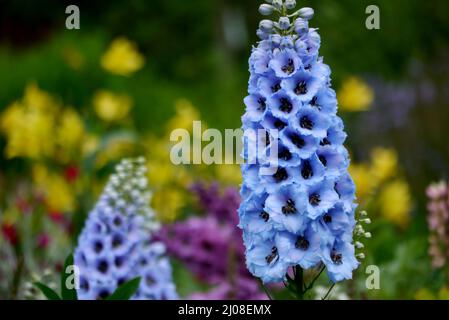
302, 213
115, 245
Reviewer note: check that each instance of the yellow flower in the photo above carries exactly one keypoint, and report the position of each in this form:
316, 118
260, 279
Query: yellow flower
424, 294
167, 203
29, 125
59, 195
229, 174
185, 115
362, 179
91, 144
443, 293
395, 202
36, 98
110, 106
122, 58
161, 173
69, 134
355, 95
384, 163
116, 148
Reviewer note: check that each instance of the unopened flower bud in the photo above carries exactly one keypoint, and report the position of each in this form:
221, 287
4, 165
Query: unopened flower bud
266, 9
266, 25
360, 256
290, 4
359, 245
284, 23
276, 40
277, 4
287, 42
367, 234
301, 26
306, 13
262, 35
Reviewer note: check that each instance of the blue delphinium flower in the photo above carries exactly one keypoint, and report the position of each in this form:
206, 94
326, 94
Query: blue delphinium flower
116, 244
301, 213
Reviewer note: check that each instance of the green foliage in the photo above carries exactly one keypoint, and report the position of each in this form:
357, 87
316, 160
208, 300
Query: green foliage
126, 290
66, 293
49, 293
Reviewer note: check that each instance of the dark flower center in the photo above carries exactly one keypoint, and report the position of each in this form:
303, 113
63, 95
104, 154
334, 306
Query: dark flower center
276, 87
121, 281
336, 190
325, 142
207, 246
306, 123
273, 256
302, 243
314, 103
285, 155
289, 67
336, 258
278, 124
265, 216
280, 175
306, 170
103, 294
84, 284
150, 280
323, 160
98, 247
314, 199
117, 221
301, 88
103, 266
116, 241
118, 261
262, 104
297, 140
289, 207
327, 218
143, 262
286, 105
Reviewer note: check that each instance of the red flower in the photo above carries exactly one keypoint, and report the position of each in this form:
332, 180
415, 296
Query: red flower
71, 173
56, 217
10, 233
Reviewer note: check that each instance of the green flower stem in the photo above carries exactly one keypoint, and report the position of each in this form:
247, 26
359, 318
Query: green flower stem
299, 281
20, 265
328, 292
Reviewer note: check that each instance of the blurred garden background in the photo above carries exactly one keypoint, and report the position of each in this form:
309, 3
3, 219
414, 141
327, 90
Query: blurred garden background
75, 102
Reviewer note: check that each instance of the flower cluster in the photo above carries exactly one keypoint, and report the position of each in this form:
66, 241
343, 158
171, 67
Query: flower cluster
438, 221
116, 243
208, 246
302, 213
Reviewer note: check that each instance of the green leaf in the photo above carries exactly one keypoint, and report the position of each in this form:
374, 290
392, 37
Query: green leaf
49, 293
66, 293
126, 290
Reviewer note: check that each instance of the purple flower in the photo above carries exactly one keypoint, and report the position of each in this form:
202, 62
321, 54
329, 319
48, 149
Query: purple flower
208, 245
